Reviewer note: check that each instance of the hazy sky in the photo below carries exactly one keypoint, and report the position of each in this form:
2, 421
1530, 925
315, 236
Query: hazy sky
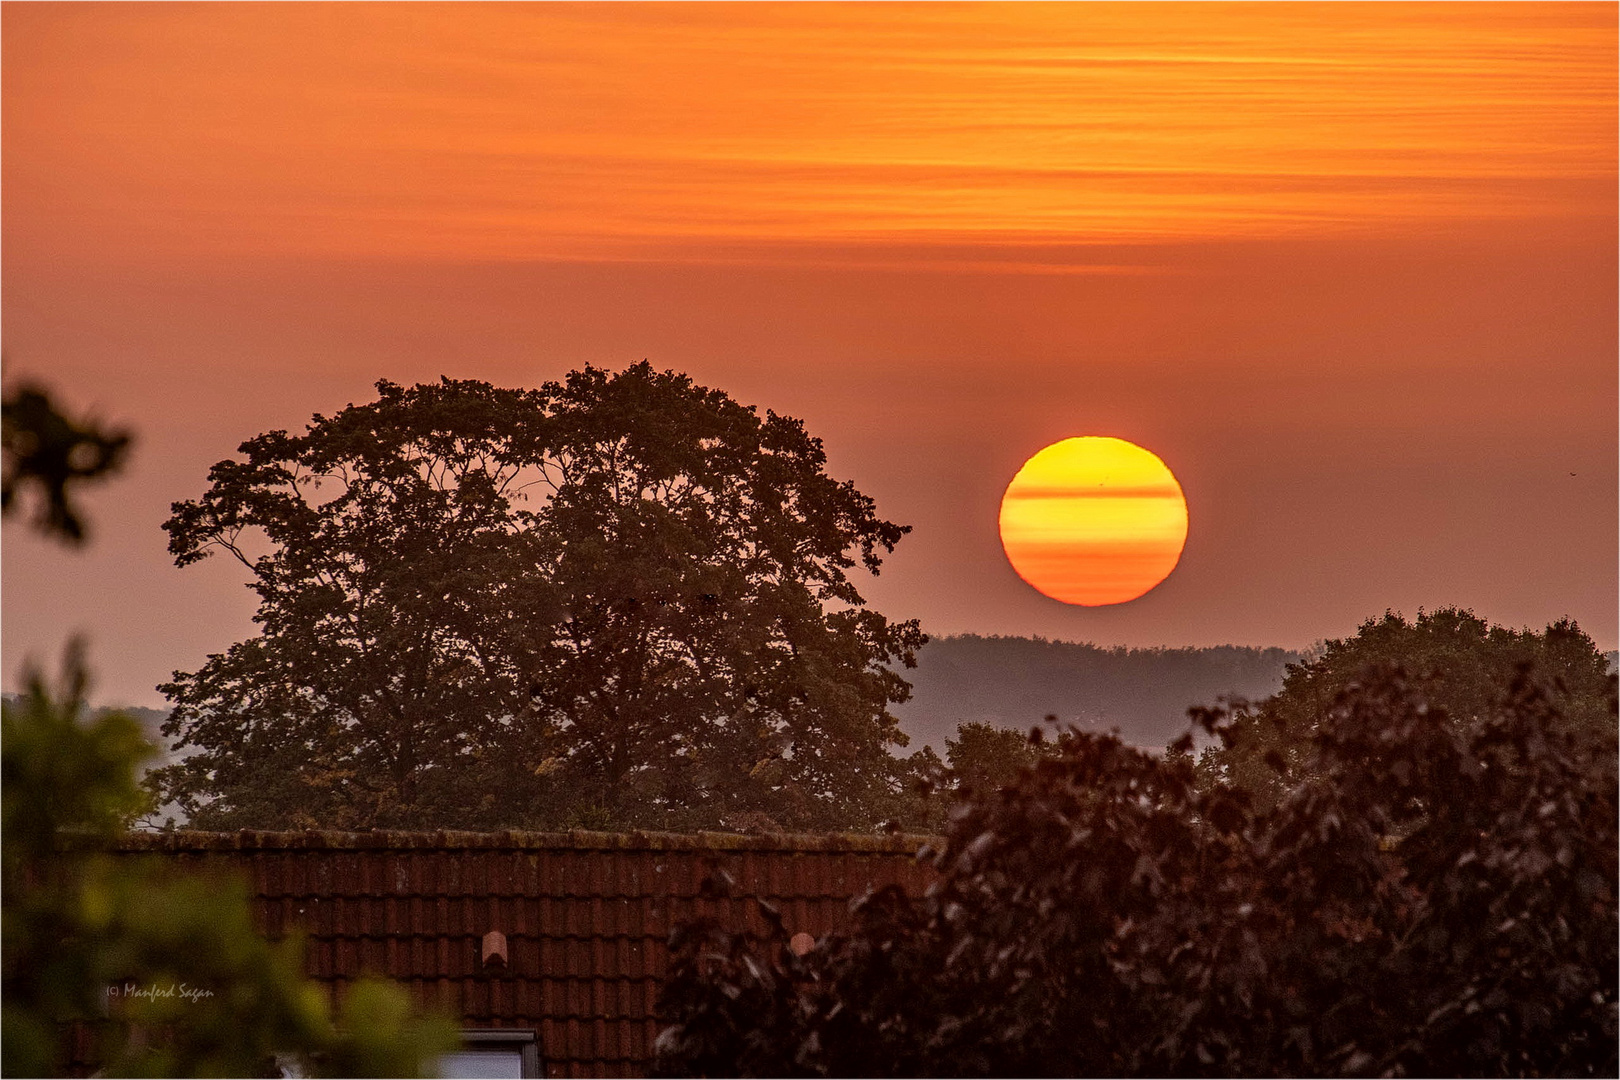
1350, 271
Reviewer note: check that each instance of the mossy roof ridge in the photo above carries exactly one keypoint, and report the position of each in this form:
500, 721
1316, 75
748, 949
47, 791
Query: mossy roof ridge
455, 840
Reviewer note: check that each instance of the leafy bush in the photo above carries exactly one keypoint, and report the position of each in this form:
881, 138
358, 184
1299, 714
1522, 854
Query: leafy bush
1432, 898
165, 972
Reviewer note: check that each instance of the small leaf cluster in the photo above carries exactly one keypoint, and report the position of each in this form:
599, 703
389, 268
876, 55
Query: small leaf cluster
1430, 898
47, 450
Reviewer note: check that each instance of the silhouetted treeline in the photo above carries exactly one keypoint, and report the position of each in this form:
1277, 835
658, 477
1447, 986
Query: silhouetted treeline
1431, 894
1007, 681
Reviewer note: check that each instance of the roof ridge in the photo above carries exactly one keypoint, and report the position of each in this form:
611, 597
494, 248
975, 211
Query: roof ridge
512, 840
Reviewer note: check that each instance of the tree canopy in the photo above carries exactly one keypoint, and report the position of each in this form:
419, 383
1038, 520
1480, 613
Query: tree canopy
983, 758
622, 599
1464, 664
1431, 898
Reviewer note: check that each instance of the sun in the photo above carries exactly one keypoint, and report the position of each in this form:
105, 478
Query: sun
1093, 521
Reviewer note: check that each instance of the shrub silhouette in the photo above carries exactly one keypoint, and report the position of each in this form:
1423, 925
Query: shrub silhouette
1434, 899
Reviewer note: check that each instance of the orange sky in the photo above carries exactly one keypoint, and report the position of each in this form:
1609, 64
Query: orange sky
1349, 269
621, 131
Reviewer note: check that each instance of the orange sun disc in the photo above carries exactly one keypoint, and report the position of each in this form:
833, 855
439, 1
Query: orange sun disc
1094, 521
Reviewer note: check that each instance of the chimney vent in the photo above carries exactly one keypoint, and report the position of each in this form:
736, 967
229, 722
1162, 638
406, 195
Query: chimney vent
494, 951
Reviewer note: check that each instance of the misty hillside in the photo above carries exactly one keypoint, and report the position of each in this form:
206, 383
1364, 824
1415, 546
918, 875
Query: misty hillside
150, 721
1016, 681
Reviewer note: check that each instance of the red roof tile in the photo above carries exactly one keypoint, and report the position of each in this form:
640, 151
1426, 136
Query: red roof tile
586, 915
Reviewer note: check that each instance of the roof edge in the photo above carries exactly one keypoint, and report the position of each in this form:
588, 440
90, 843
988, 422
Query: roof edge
511, 840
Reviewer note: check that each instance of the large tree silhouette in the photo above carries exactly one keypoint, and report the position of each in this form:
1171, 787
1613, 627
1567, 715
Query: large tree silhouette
622, 599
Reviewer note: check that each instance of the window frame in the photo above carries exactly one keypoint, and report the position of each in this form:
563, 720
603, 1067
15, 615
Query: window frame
525, 1040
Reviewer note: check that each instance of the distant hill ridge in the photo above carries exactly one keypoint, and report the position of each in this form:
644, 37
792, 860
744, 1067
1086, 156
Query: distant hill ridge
1014, 682
150, 721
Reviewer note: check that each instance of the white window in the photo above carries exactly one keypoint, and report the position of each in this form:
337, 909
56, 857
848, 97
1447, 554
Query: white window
492, 1052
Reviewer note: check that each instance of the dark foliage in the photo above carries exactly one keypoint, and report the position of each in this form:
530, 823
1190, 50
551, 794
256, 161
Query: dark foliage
1432, 899
622, 600
1464, 665
46, 450
983, 758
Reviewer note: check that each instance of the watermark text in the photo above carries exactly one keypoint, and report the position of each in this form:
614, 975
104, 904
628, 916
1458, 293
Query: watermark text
131, 991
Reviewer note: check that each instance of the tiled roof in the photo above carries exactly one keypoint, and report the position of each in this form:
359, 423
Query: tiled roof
586, 916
